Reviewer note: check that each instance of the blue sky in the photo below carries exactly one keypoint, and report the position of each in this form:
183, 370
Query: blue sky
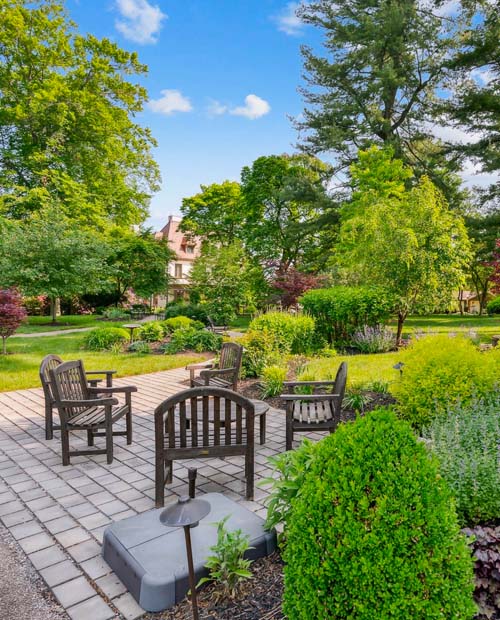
223, 78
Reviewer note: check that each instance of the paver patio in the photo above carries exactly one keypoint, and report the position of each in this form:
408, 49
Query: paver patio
58, 514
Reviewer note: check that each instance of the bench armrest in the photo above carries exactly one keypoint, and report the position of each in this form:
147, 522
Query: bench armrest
219, 372
97, 402
112, 390
198, 365
310, 397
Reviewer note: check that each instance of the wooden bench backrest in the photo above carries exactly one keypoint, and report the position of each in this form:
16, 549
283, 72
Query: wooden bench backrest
49, 362
68, 383
230, 356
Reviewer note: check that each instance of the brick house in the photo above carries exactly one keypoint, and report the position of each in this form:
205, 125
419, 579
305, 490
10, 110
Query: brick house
186, 250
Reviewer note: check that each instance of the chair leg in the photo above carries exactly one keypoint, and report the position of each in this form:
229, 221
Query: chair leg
169, 467
49, 423
159, 483
109, 442
249, 473
289, 431
65, 445
90, 438
262, 429
129, 423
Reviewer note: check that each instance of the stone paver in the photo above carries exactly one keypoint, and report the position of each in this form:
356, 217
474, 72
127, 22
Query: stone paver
58, 514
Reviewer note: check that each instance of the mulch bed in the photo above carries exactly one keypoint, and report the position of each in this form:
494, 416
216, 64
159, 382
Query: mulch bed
260, 598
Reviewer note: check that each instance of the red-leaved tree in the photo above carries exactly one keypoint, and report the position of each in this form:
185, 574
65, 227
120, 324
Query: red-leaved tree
292, 284
12, 313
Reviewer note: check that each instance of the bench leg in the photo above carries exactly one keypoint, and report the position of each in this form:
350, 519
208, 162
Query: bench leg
65, 446
109, 443
90, 438
289, 430
129, 425
49, 423
249, 474
262, 429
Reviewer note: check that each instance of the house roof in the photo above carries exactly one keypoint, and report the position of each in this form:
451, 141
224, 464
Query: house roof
178, 241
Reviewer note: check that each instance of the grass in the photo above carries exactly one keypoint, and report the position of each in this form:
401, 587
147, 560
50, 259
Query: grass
39, 324
485, 326
19, 369
240, 323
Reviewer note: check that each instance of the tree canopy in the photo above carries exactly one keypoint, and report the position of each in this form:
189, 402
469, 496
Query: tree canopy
67, 130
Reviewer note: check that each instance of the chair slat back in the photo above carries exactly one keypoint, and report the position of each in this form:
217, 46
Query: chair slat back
205, 418
68, 382
340, 382
230, 355
49, 362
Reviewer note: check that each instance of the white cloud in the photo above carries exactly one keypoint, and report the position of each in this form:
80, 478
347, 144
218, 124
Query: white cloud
170, 102
141, 21
482, 76
254, 107
288, 21
215, 108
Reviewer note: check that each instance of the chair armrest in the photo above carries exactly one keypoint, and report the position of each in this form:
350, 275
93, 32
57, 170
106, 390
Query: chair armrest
310, 397
296, 383
112, 390
100, 372
197, 365
217, 372
97, 402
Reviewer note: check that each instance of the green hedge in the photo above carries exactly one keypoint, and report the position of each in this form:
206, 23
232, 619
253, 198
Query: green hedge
342, 310
151, 332
104, 338
493, 306
373, 532
180, 322
192, 339
441, 371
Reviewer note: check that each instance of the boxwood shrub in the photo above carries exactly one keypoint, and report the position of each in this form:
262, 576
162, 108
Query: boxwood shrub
373, 532
104, 338
440, 371
151, 332
180, 322
342, 310
193, 311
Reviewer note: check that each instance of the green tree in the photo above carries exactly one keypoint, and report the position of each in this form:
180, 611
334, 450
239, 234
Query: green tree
48, 255
222, 278
476, 102
406, 240
285, 196
67, 134
138, 261
215, 214
384, 67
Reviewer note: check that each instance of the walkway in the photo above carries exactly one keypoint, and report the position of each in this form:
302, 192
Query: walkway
58, 513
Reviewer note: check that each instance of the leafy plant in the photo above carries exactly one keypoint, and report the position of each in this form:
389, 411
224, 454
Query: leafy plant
193, 311
180, 322
139, 346
373, 531
193, 339
104, 338
116, 314
289, 470
381, 387
493, 306
272, 381
151, 331
465, 440
442, 371
342, 310
12, 314
356, 399
293, 333
228, 566
376, 339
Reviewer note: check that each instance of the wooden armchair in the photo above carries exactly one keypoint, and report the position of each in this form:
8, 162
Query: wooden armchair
314, 405
227, 372
216, 329
48, 363
94, 409
203, 422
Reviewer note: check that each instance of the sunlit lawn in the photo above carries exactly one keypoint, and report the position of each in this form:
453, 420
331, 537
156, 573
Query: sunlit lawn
485, 326
37, 324
19, 369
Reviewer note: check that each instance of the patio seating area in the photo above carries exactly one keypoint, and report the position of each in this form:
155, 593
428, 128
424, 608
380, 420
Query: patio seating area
58, 514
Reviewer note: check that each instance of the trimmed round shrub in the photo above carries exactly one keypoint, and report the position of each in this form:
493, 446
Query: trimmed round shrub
493, 306
105, 338
192, 339
373, 532
440, 371
342, 310
180, 322
151, 332
193, 311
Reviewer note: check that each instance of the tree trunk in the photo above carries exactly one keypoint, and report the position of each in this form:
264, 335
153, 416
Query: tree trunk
401, 319
54, 308
460, 302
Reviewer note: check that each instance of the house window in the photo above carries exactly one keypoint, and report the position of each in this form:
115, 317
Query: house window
178, 270
190, 249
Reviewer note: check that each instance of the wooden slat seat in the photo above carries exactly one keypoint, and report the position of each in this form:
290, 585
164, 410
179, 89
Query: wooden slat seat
94, 409
203, 422
314, 405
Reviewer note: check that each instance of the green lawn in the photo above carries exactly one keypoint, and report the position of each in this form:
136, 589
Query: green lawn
240, 323
19, 369
485, 326
37, 324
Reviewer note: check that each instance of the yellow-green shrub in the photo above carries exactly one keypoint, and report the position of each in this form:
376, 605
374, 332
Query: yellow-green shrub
440, 371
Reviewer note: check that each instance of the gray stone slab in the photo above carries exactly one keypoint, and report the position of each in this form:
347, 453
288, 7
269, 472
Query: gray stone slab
150, 559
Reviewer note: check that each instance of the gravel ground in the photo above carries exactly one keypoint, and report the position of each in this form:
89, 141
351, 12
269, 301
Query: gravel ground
23, 594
